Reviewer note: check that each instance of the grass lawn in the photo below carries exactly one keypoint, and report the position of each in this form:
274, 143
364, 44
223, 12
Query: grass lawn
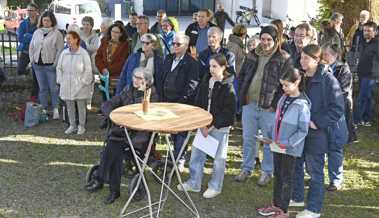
42, 173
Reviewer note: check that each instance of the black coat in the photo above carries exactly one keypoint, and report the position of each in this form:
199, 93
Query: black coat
221, 17
205, 56
368, 65
223, 100
344, 76
185, 83
193, 32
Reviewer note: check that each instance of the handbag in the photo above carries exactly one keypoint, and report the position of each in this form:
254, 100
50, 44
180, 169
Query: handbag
33, 114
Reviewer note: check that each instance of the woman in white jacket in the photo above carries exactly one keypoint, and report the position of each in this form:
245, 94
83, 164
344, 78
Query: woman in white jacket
74, 74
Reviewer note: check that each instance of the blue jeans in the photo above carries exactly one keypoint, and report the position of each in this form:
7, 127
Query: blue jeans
314, 164
364, 108
178, 142
335, 165
253, 119
47, 82
198, 159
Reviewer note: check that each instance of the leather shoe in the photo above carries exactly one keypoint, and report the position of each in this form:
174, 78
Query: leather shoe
94, 186
112, 197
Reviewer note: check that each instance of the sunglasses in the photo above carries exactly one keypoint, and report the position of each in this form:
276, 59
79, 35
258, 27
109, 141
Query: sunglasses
177, 44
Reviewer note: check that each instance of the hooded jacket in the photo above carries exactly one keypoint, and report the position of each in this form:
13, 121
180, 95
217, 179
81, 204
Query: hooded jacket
290, 133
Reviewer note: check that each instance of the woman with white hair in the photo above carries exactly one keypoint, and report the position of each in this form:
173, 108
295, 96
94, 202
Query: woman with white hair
110, 169
148, 57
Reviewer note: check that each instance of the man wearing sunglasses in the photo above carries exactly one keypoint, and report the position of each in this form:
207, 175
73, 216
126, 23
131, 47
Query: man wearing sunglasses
179, 81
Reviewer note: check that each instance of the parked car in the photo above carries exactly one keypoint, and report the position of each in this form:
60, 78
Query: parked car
72, 11
13, 18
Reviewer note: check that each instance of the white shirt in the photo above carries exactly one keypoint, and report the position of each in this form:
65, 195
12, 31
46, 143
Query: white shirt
176, 62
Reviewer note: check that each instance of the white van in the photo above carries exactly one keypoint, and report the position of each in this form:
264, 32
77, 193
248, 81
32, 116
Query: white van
72, 11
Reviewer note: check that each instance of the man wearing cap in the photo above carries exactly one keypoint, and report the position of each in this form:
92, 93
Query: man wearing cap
259, 92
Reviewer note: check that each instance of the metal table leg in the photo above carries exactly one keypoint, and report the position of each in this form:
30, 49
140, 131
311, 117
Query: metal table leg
141, 173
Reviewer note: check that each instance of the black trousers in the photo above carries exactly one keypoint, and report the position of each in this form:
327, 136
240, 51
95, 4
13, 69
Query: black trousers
284, 169
350, 121
111, 165
22, 63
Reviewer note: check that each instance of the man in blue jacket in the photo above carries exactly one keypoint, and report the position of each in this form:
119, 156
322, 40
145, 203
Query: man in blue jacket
24, 34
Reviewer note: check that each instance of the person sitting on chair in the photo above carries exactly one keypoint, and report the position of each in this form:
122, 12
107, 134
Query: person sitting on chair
112, 156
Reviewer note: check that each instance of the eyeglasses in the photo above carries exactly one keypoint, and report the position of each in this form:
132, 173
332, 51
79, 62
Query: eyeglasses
113, 31
145, 42
140, 23
177, 44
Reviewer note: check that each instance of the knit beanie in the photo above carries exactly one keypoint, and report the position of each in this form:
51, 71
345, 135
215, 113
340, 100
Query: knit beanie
271, 30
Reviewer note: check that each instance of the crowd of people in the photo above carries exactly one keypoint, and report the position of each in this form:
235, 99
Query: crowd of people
292, 91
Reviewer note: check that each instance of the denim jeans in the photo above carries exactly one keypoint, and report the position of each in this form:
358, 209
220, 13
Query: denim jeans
335, 165
314, 164
178, 142
253, 119
198, 159
364, 108
47, 82
284, 169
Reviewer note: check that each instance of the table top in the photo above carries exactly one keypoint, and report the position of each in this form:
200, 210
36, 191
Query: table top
187, 118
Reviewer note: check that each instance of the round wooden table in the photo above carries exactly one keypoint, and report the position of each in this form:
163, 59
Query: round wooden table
188, 118
175, 118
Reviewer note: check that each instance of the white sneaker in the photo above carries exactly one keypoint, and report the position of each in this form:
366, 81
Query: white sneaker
307, 214
210, 193
296, 204
186, 187
55, 114
70, 130
81, 130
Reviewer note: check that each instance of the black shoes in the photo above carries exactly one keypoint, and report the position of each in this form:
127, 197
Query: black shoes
94, 186
113, 195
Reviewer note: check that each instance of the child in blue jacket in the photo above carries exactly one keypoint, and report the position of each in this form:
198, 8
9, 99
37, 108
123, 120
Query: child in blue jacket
288, 135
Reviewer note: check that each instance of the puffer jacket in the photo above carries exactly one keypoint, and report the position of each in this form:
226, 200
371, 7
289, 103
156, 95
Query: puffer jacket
271, 89
49, 46
74, 74
223, 101
24, 34
294, 125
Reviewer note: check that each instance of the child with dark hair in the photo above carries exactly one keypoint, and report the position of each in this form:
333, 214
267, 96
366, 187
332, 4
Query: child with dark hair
216, 94
287, 143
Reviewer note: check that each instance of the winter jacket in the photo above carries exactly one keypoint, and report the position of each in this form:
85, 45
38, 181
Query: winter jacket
74, 74
331, 37
130, 30
235, 45
205, 56
220, 18
223, 101
133, 62
295, 55
48, 47
193, 32
368, 65
92, 43
328, 107
179, 85
271, 89
290, 133
117, 61
24, 35
345, 78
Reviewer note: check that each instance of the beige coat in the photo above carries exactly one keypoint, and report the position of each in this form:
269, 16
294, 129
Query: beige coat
235, 45
49, 46
74, 75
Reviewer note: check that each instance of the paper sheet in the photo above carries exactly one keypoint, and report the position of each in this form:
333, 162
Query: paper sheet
275, 148
156, 114
208, 145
